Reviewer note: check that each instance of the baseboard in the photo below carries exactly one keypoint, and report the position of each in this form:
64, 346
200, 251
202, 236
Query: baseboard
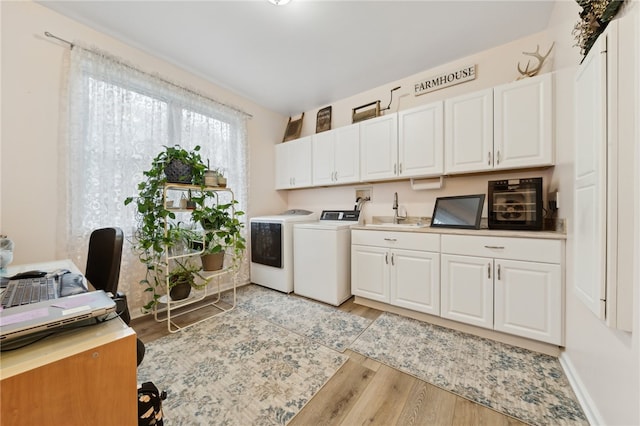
587, 404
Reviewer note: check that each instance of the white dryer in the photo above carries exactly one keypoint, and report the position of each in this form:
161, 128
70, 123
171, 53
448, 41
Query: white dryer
322, 263
272, 248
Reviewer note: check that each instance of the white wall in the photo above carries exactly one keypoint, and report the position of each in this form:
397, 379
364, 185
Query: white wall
32, 67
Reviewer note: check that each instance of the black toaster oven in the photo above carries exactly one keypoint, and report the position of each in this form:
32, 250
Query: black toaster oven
515, 204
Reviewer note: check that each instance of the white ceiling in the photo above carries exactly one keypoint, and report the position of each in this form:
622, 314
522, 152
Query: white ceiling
309, 53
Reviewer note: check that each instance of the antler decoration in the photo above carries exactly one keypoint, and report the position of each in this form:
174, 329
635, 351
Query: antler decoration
541, 58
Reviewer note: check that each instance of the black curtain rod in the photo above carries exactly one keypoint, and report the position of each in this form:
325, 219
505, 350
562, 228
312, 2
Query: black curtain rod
72, 45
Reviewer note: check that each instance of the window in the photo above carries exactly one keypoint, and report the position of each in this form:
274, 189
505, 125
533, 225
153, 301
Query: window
119, 118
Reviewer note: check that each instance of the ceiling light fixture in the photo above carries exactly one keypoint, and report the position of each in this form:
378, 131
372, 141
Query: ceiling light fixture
279, 2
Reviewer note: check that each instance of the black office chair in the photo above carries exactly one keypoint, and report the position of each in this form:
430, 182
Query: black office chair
103, 270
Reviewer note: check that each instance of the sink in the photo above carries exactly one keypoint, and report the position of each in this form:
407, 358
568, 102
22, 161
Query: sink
397, 225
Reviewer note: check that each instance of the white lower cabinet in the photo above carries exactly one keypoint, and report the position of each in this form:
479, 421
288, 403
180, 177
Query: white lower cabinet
467, 290
513, 285
399, 268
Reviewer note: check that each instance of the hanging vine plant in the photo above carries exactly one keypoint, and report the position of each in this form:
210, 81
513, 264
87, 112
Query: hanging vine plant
594, 18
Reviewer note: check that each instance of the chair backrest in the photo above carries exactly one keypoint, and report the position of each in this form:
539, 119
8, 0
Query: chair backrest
103, 259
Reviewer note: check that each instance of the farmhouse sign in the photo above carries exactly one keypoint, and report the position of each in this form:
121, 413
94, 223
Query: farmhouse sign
448, 79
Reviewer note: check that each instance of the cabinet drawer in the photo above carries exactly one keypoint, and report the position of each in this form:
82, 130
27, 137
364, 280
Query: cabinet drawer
528, 249
401, 240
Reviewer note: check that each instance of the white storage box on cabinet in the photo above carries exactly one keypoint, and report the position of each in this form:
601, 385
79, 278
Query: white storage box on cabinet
513, 285
399, 268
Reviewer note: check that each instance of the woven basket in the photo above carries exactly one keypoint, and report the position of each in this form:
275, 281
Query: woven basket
178, 172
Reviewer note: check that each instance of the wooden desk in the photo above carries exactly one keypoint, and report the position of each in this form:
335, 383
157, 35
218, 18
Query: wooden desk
79, 377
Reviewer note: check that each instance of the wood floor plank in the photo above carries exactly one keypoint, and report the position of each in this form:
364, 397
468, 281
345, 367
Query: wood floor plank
470, 413
333, 402
382, 401
428, 405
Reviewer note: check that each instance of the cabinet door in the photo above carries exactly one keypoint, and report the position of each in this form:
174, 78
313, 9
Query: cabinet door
523, 123
300, 161
347, 154
590, 168
379, 147
370, 272
528, 300
415, 280
468, 132
323, 147
283, 177
420, 141
467, 289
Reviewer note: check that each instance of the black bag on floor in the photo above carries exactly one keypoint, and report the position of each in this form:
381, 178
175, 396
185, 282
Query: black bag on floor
150, 405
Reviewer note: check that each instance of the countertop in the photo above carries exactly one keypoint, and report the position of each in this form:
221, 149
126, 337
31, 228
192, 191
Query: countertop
483, 231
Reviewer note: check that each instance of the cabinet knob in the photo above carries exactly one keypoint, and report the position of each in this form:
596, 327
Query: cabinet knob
392, 260
498, 272
390, 239
495, 247
489, 270
498, 158
386, 258
488, 158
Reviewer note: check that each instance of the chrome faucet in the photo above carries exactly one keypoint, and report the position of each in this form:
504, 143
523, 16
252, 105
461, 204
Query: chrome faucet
395, 208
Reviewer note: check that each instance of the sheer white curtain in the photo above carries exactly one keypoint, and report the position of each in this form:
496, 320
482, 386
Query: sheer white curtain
117, 119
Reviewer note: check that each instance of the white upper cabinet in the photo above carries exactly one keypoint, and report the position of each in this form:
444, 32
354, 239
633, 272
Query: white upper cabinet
468, 130
379, 148
335, 156
420, 141
507, 127
293, 163
523, 123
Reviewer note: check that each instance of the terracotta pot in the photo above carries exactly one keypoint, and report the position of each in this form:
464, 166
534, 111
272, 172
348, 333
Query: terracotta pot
212, 262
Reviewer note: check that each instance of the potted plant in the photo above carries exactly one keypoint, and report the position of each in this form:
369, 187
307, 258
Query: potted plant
182, 278
151, 238
180, 165
223, 232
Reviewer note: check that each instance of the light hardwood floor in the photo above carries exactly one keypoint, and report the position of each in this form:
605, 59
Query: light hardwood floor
364, 391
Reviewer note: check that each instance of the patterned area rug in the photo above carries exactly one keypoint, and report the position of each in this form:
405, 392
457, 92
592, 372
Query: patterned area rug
526, 385
324, 324
236, 369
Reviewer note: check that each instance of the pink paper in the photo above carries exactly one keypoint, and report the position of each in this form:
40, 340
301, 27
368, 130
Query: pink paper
24, 316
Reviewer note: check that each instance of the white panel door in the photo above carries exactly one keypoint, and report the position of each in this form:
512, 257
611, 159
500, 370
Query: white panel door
379, 147
466, 291
323, 153
523, 123
468, 132
415, 280
421, 141
347, 154
300, 161
528, 300
370, 272
590, 179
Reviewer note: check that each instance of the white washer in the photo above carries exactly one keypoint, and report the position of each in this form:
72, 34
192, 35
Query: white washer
272, 248
322, 262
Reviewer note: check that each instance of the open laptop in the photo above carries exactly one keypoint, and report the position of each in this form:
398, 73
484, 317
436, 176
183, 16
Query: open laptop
48, 315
